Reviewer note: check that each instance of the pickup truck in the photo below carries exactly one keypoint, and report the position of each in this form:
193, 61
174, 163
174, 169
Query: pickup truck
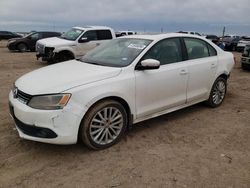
73, 44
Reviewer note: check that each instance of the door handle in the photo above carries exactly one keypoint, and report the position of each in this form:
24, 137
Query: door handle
183, 72
213, 65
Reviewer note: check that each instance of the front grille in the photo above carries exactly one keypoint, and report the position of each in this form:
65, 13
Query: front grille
23, 97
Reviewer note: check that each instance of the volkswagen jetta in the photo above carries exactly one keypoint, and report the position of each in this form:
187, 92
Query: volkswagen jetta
122, 82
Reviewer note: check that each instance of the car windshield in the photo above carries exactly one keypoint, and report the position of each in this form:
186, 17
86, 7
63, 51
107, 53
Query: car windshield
116, 53
72, 34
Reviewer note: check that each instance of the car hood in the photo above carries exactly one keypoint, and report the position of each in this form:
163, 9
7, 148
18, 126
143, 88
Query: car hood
63, 76
55, 41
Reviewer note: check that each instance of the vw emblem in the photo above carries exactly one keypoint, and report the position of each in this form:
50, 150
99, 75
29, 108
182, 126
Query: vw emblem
15, 92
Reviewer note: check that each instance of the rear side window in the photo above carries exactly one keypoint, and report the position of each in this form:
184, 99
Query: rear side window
104, 34
196, 48
212, 51
166, 51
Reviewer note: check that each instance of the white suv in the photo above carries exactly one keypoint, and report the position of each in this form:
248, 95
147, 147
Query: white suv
124, 81
73, 44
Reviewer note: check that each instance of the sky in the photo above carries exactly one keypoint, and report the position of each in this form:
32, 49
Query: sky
204, 16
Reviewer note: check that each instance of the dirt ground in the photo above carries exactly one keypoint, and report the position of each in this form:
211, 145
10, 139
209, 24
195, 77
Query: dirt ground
194, 147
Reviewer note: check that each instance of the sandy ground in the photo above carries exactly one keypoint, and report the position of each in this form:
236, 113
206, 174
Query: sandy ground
194, 147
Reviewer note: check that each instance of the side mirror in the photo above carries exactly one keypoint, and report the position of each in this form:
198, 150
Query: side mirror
148, 64
83, 39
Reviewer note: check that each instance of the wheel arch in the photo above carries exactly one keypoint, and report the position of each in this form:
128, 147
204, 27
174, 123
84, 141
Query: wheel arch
66, 51
21, 42
224, 75
122, 101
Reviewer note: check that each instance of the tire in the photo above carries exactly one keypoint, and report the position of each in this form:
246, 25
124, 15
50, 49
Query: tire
63, 57
22, 47
103, 125
245, 67
217, 93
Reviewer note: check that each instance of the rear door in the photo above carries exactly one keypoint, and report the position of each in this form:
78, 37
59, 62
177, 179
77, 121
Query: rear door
202, 65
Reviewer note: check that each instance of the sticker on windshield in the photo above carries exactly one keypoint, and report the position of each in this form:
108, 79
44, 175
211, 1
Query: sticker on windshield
137, 46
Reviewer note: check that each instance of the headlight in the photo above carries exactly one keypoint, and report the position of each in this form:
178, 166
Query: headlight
49, 102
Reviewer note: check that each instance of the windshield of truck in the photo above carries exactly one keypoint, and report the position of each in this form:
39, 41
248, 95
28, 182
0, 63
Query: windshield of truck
72, 34
116, 53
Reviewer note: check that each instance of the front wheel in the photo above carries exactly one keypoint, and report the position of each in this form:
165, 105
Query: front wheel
22, 47
218, 92
103, 125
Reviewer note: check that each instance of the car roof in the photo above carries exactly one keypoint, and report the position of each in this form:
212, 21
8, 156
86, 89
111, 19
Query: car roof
162, 36
91, 27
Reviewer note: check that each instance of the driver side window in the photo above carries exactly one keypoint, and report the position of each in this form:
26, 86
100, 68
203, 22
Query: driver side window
166, 51
90, 35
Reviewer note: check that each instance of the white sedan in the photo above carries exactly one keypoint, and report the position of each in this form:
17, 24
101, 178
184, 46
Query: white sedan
122, 82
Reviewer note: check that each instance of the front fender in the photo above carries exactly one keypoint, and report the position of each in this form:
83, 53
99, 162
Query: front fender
60, 49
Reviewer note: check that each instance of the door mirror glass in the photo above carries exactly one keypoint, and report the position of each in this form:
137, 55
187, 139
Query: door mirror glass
148, 64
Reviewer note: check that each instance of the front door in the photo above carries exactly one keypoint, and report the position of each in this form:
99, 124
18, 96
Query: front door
163, 88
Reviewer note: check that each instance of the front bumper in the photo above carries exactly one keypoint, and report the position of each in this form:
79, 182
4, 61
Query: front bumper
45, 57
11, 46
46, 53
48, 126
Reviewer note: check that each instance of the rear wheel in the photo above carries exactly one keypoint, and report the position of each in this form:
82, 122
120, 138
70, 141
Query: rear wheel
22, 47
218, 92
103, 125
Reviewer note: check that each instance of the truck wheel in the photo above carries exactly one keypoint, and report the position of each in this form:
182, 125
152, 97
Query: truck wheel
63, 56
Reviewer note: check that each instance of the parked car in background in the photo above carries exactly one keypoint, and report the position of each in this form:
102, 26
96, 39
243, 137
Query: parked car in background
230, 42
124, 81
73, 44
215, 39
5, 35
28, 43
190, 32
242, 43
245, 58
125, 33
